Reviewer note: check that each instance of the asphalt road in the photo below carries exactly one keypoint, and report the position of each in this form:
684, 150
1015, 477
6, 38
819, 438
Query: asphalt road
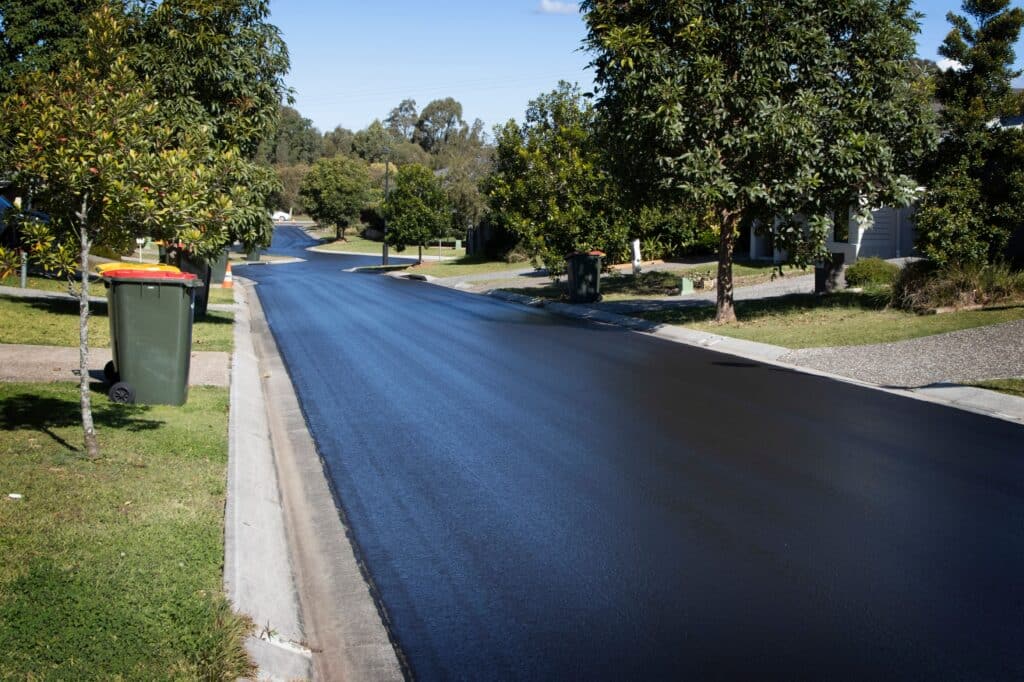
537, 498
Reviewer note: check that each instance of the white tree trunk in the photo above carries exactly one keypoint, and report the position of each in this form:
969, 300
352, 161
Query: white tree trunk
92, 447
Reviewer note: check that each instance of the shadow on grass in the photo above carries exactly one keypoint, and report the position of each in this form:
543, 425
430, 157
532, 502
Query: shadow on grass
216, 317
66, 306
766, 307
31, 412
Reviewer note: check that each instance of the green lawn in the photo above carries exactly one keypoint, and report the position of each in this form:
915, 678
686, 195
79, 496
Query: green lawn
841, 319
46, 284
54, 322
360, 245
96, 288
467, 265
656, 283
112, 568
1014, 387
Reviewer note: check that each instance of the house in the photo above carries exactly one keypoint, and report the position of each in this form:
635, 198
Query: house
890, 235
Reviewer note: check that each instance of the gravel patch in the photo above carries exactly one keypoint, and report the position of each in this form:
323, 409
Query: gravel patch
992, 352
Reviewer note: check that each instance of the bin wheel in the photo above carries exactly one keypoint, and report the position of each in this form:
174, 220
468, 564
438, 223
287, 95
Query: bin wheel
122, 393
110, 374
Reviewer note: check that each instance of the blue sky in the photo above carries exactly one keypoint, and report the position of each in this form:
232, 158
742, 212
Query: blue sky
354, 61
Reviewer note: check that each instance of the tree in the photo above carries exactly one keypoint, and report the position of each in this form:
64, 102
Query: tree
338, 141
461, 183
91, 138
373, 142
976, 178
417, 209
401, 122
221, 64
39, 36
549, 185
288, 198
761, 109
439, 121
336, 190
296, 140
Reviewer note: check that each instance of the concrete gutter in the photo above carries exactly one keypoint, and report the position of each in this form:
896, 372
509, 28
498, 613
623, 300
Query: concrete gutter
289, 560
971, 399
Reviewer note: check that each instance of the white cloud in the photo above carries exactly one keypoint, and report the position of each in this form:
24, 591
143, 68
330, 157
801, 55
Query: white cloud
557, 7
947, 64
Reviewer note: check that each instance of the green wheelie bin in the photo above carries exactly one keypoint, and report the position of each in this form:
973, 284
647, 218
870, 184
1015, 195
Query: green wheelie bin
150, 335
583, 271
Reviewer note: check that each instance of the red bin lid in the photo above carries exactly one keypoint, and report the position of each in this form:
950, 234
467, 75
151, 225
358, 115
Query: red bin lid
148, 274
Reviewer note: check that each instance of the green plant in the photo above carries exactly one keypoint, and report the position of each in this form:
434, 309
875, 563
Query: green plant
871, 271
923, 285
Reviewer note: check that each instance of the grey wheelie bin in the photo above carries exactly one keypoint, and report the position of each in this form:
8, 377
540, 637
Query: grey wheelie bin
584, 275
150, 335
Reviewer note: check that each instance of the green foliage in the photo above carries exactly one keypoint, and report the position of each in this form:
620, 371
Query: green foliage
871, 272
338, 141
93, 143
336, 190
401, 122
954, 221
672, 231
438, 122
761, 109
549, 186
295, 141
975, 197
39, 36
288, 197
213, 62
923, 285
373, 142
417, 209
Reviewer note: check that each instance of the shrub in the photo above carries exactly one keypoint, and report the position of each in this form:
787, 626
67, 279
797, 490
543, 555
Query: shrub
923, 285
871, 271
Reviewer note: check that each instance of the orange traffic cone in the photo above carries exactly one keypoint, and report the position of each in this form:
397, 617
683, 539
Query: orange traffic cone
229, 281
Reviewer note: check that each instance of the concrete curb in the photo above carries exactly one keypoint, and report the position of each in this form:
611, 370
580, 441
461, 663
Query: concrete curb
340, 621
968, 398
258, 576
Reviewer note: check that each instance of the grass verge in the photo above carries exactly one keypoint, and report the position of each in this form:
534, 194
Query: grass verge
112, 568
1014, 387
467, 265
361, 245
840, 319
217, 295
54, 322
657, 283
46, 284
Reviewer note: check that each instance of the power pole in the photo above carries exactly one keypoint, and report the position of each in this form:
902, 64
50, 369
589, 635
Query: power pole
387, 187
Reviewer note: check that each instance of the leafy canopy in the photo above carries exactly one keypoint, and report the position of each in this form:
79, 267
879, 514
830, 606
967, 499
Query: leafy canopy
975, 180
761, 108
549, 186
336, 190
417, 209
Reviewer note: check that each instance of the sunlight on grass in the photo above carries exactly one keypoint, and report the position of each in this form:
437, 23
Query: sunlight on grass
840, 319
54, 322
112, 568
1014, 387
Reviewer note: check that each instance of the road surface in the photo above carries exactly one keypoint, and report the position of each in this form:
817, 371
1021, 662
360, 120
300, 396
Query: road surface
538, 498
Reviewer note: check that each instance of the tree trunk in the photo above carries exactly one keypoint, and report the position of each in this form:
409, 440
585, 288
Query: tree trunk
727, 241
92, 447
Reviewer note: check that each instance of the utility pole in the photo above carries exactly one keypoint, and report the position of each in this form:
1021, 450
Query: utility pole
387, 187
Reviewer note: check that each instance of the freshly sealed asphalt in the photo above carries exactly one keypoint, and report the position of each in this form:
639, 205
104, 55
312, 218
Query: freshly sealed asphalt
538, 498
